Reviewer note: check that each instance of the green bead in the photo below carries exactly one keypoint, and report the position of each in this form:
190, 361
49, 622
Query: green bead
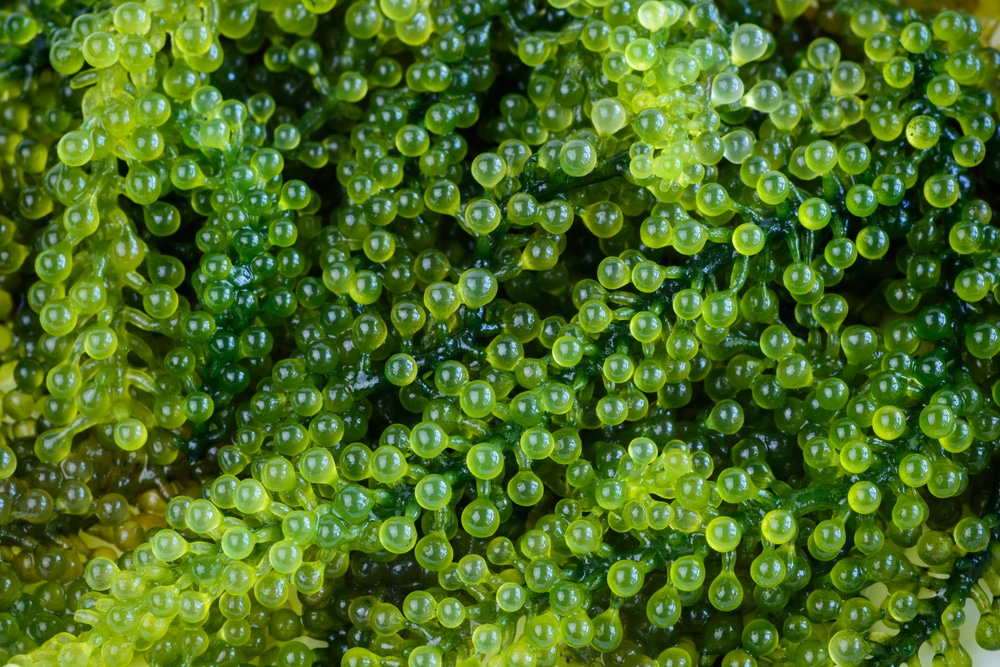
100, 50
862, 201
949, 26
428, 439
625, 578
690, 237
764, 96
726, 594
947, 480
971, 534
577, 157
351, 87
735, 486
723, 534
480, 518
937, 421
318, 466
943, 90
75, 148
168, 545
872, 241
922, 132
477, 287
968, 151
294, 654
889, 189
100, 572
401, 369
768, 569
295, 195
442, 196
485, 461
748, 239
773, 188
713, 200
889, 422
251, 496
413, 141
914, 470
848, 648
726, 417
398, 535
525, 489
131, 19
142, 185
821, 156
902, 606
898, 71
537, 443
988, 632
778, 526
130, 434
608, 116
58, 318
687, 573
603, 219
583, 536
433, 492
915, 37
687, 304
749, 43
864, 497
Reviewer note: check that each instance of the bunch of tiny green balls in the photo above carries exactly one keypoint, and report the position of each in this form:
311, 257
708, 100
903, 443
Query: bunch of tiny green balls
497, 333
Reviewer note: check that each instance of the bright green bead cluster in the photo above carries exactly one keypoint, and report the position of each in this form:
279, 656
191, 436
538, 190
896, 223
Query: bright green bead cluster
472, 332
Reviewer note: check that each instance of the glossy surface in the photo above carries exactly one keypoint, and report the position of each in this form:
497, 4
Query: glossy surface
481, 332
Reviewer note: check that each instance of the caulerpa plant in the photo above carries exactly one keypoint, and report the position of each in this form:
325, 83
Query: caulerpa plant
448, 333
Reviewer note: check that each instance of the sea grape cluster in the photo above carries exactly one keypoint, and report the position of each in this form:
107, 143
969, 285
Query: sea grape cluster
497, 333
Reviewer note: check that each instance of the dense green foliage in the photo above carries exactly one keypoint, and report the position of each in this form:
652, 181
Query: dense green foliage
461, 333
